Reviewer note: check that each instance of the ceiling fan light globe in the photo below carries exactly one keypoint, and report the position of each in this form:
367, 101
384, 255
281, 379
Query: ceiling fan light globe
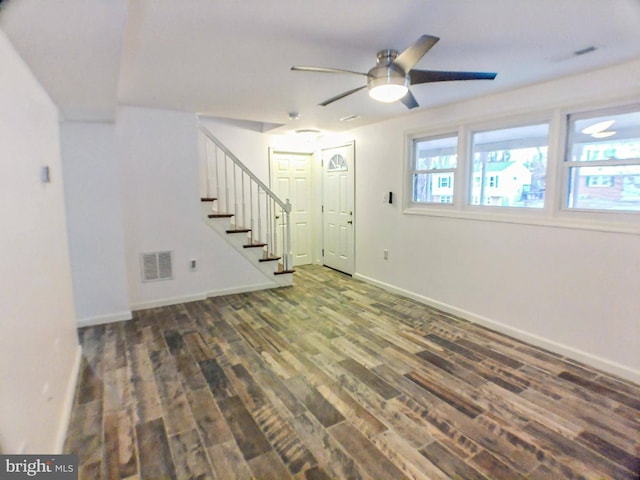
387, 83
388, 93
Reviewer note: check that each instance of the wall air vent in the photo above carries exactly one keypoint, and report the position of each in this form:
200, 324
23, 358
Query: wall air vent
156, 266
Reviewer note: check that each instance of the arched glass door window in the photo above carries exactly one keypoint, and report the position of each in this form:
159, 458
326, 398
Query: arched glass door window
337, 163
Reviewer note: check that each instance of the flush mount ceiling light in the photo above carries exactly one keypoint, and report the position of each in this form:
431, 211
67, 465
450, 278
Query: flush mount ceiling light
307, 134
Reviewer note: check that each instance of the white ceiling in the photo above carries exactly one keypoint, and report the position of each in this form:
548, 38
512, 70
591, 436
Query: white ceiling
232, 58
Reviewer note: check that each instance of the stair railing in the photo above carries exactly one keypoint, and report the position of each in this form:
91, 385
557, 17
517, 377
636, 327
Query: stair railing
254, 206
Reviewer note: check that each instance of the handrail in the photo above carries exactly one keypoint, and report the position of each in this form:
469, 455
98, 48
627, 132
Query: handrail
265, 201
286, 207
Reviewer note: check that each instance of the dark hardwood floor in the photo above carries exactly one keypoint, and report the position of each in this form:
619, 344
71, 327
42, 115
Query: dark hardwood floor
335, 378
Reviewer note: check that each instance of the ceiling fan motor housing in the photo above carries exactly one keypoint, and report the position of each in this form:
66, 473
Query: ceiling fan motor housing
386, 72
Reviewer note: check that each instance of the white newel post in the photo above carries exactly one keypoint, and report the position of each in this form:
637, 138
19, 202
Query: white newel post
288, 263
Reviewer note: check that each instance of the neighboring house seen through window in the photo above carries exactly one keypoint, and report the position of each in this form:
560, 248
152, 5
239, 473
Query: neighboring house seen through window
510, 167
588, 178
602, 165
434, 162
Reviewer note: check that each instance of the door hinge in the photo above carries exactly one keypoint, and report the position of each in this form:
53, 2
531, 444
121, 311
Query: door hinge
322, 208
323, 252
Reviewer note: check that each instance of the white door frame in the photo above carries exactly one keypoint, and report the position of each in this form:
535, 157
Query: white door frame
348, 265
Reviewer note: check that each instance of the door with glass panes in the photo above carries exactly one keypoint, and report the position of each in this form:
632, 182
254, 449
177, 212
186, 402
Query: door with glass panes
338, 207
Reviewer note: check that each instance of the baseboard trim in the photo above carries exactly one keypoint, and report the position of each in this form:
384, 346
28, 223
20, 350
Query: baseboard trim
101, 319
587, 358
164, 302
67, 406
244, 289
203, 296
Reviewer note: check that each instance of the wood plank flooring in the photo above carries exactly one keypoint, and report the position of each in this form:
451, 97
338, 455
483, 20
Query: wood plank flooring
336, 379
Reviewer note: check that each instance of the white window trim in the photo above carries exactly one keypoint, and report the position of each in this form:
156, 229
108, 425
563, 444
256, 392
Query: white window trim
554, 213
408, 170
500, 124
564, 168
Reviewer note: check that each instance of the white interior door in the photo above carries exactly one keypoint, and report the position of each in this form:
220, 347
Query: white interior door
291, 178
338, 202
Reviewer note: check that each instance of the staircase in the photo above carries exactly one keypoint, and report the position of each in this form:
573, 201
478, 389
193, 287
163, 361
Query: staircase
246, 213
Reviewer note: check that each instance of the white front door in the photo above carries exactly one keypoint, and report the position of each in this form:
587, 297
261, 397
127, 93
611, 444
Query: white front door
291, 178
338, 204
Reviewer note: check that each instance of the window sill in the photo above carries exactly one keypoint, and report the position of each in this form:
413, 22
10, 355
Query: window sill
563, 219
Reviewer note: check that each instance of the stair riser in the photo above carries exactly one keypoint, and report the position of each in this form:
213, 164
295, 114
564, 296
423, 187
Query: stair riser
238, 241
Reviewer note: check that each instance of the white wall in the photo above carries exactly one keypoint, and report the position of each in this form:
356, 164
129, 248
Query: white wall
252, 148
39, 351
158, 157
575, 291
249, 145
94, 219
132, 187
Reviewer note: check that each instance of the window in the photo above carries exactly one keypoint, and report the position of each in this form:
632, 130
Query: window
602, 163
599, 181
577, 170
510, 167
444, 182
337, 163
433, 166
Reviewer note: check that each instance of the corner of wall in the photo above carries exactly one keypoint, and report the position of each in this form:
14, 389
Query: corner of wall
63, 425
530, 338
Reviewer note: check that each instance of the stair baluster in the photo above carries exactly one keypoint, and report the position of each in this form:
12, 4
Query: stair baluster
266, 212
252, 225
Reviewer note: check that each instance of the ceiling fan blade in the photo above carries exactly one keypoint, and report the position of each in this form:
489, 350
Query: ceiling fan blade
412, 55
342, 95
427, 76
296, 68
409, 100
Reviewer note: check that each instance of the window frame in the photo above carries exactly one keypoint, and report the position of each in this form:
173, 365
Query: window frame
565, 165
554, 212
411, 140
506, 124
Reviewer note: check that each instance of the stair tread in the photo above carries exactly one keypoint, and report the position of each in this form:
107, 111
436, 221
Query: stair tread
268, 259
282, 272
255, 245
214, 211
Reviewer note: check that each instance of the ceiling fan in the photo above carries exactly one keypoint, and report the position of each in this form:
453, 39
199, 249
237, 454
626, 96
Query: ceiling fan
390, 79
